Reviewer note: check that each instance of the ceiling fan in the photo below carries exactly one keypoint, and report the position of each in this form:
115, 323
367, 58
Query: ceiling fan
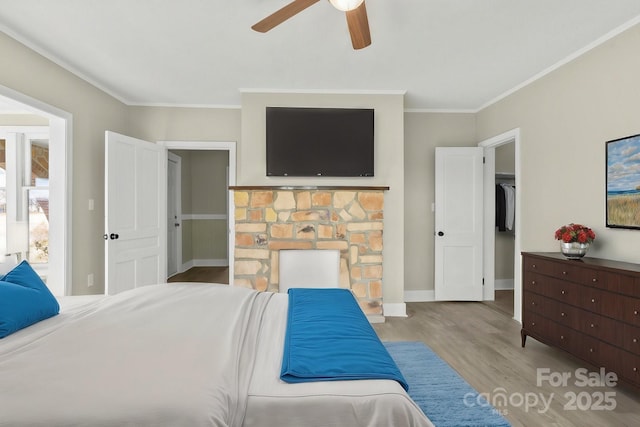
354, 9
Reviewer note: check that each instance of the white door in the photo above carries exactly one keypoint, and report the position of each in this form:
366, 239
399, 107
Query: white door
135, 211
174, 215
458, 224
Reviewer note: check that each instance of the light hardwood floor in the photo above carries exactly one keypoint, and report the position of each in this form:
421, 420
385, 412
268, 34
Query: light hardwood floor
482, 344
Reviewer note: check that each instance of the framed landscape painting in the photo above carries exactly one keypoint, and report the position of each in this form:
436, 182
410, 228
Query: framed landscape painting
623, 182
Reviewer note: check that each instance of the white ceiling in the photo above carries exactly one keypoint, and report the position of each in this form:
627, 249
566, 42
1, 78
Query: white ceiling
446, 54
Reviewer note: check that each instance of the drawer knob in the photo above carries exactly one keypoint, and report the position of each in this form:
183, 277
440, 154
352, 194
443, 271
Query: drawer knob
533, 323
590, 350
594, 280
635, 312
562, 292
561, 337
593, 300
533, 303
635, 369
562, 314
533, 266
564, 273
635, 340
592, 325
533, 282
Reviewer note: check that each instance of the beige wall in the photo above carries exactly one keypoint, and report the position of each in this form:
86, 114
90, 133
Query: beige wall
93, 111
423, 132
23, 120
389, 159
565, 119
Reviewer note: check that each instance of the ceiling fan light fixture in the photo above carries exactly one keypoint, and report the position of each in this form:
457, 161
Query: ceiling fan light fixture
346, 5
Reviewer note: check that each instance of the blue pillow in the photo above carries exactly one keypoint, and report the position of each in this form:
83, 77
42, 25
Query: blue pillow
24, 300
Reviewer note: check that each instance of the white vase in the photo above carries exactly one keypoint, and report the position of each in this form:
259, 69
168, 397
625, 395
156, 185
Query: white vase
574, 250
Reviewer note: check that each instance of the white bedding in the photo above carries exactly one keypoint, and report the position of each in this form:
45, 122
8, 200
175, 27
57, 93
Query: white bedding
177, 355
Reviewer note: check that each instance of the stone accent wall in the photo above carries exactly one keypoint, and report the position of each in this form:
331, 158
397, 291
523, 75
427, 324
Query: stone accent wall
350, 221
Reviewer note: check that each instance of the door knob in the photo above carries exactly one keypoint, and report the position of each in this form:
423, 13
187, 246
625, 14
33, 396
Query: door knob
177, 224
440, 233
113, 236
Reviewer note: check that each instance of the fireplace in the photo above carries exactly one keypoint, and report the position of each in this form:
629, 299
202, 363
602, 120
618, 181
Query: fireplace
346, 219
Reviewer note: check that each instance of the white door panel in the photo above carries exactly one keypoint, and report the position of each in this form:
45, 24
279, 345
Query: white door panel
135, 209
458, 224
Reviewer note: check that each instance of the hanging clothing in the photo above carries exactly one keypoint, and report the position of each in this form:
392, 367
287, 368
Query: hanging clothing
510, 206
501, 208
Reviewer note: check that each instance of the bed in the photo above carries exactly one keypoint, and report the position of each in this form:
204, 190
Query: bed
178, 355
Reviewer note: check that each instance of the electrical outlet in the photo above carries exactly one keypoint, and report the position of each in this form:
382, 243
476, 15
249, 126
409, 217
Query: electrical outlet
90, 280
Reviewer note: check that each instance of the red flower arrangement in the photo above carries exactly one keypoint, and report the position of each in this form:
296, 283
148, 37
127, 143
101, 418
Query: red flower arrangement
575, 233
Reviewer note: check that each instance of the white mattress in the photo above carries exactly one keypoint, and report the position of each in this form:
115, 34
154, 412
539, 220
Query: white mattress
177, 355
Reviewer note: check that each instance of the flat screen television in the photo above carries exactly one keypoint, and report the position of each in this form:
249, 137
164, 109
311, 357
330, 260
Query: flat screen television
334, 142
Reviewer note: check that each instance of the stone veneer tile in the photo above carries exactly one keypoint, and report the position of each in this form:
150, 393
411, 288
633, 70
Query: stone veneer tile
357, 212
371, 201
282, 231
270, 215
321, 198
261, 198
252, 253
241, 199
375, 241
335, 244
284, 201
247, 267
373, 272
303, 200
342, 198
251, 228
240, 214
244, 239
277, 245
375, 289
325, 231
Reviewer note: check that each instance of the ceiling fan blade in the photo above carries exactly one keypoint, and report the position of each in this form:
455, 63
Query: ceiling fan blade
279, 16
359, 27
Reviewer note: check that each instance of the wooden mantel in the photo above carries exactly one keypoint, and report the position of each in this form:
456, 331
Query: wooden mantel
308, 187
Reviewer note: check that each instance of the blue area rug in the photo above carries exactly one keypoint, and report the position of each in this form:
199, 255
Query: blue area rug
446, 398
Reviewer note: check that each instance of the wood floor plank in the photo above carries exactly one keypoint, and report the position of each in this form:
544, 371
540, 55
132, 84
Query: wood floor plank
483, 345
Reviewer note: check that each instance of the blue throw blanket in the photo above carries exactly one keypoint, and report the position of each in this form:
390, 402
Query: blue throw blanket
328, 338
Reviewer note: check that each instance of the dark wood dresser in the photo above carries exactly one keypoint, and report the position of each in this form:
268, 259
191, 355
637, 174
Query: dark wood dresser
589, 308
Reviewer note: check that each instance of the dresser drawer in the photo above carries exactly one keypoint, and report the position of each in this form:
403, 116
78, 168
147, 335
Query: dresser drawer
630, 367
564, 314
631, 339
631, 311
535, 303
565, 337
590, 350
535, 282
601, 327
566, 292
535, 324
621, 283
602, 302
541, 266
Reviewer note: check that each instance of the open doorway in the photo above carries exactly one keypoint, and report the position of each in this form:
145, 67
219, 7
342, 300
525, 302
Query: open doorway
37, 191
502, 263
199, 243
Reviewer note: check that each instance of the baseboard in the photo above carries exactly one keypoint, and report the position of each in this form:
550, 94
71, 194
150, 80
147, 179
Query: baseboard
394, 309
204, 263
503, 284
419, 296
